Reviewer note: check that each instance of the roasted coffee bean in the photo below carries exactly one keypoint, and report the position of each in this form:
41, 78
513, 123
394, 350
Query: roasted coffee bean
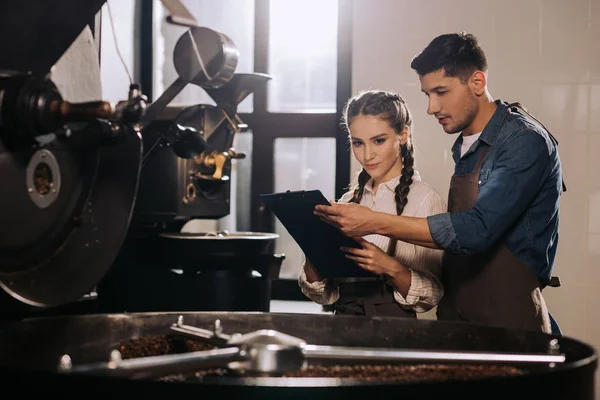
407, 373
159, 345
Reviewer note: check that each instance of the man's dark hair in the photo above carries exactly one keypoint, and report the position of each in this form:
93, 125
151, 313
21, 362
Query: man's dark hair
458, 54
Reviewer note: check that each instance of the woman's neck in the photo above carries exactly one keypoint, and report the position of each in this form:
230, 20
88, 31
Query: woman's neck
393, 172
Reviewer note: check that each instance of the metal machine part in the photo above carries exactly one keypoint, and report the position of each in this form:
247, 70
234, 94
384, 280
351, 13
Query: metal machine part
267, 353
67, 201
70, 170
203, 57
73, 169
190, 156
43, 178
33, 112
212, 271
179, 14
187, 245
36, 33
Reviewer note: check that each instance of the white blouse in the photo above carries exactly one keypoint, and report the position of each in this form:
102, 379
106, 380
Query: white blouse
424, 263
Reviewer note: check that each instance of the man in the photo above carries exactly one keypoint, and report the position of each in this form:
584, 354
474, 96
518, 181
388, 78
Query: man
501, 231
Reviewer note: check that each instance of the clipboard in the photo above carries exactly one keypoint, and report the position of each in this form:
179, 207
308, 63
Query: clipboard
319, 241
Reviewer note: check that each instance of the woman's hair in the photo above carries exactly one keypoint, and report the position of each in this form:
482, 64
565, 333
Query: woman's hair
390, 107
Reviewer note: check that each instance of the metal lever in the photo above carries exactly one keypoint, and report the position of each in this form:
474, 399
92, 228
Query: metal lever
163, 101
218, 161
235, 155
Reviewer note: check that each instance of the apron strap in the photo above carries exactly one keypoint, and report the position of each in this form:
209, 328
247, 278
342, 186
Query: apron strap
516, 106
482, 155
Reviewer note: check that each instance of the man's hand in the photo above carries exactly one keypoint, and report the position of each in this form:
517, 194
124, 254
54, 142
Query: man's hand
350, 218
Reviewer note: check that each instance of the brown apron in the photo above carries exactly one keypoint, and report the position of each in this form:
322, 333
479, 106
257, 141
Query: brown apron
370, 297
491, 288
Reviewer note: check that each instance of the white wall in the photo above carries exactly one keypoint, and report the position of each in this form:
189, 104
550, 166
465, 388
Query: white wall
543, 53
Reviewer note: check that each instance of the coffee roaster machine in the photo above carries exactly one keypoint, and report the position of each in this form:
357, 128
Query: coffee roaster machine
179, 169
94, 196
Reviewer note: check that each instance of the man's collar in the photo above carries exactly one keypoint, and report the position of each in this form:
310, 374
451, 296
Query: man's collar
490, 132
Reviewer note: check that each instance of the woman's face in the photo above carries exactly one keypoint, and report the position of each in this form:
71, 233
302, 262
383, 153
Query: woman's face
376, 146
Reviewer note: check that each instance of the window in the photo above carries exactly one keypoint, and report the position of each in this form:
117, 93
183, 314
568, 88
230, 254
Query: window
301, 164
113, 75
303, 56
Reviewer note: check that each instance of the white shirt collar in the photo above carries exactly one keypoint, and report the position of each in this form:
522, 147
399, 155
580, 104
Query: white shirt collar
392, 183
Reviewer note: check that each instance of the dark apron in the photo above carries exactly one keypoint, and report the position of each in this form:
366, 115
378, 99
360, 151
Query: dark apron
370, 297
492, 288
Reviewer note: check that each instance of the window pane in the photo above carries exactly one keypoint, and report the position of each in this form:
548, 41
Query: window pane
233, 18
303, 56
113, 75
301, 164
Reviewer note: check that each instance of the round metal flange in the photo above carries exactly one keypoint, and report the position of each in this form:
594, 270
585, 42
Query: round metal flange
54, 250
43, 178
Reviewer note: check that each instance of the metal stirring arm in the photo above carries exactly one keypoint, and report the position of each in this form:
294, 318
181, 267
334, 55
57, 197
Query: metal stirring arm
268, 352
314, 352
157, 366
362, 354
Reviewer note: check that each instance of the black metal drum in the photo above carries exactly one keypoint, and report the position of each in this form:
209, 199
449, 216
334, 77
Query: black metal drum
31, 352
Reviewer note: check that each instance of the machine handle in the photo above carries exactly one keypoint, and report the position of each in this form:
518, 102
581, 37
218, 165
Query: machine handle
81, 111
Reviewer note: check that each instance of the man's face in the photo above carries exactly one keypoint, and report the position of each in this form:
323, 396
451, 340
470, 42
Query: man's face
452, 102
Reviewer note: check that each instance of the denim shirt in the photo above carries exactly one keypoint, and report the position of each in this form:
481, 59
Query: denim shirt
520, 184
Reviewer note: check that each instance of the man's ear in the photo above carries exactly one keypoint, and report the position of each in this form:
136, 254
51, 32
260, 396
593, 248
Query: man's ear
478, 82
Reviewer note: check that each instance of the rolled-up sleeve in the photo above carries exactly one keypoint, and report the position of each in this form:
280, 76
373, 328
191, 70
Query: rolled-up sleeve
442, 231
320, 292
519, 170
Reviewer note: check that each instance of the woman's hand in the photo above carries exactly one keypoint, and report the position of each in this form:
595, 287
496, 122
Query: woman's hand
372, 258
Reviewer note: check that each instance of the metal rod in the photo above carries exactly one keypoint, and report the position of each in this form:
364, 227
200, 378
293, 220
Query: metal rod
312, 352
156, 107
158, 366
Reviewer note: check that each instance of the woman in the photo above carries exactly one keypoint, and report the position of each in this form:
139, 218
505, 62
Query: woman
379, 124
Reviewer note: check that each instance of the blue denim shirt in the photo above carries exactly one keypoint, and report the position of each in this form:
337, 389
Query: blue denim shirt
520, 184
